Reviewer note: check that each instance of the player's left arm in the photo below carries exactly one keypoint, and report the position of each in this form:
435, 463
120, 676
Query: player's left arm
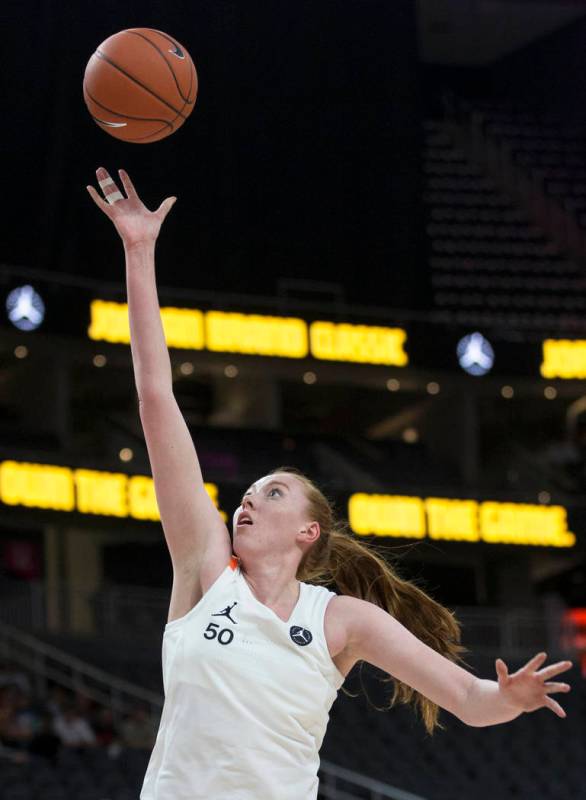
375, 636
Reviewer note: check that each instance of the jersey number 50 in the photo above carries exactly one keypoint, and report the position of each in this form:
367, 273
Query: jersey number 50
225, 636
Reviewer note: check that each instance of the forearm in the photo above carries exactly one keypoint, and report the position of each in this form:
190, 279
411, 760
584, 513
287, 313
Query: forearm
150, 356
485, 705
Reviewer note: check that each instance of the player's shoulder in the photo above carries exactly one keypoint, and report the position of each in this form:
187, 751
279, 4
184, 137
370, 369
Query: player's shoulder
340, 621
348, 618
344, 605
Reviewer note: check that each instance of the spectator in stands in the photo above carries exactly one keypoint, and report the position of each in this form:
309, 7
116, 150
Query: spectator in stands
85, 706
56, 700
137, 730
74, 730
16, 718
104, 727
27, 712
107, 734
45, 742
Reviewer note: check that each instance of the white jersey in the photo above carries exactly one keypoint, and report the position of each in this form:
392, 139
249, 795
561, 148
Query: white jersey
247, 698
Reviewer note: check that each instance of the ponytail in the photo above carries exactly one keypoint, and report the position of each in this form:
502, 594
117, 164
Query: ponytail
357, 569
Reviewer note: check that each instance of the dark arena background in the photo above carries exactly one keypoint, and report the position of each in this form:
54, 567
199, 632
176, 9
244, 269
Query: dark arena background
375, 272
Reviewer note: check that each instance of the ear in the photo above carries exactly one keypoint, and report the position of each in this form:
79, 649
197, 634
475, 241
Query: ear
311, 531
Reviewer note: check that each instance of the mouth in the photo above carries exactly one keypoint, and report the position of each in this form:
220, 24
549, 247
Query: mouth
243, 519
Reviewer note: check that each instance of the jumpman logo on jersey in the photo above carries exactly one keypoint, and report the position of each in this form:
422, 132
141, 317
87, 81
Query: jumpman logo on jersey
226, 612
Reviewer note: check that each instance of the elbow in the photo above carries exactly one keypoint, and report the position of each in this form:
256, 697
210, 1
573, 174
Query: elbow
465, 717
152, 396
470, 723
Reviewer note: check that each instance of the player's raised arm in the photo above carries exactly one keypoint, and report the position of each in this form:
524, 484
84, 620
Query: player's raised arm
191, 523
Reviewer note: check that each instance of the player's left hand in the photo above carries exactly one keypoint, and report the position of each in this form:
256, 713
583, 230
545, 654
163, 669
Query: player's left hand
527, 688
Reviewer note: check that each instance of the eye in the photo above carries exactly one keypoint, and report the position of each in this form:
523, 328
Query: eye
274, 489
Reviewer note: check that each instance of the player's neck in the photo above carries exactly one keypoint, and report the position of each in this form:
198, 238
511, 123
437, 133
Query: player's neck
272, 584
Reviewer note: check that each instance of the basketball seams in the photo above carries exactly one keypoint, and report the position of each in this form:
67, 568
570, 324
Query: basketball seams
193, 73
166, 123
126, 116
130, 77
145, 139
164, 35
185, 103
187, 100
144, 79
193, 81
169, 65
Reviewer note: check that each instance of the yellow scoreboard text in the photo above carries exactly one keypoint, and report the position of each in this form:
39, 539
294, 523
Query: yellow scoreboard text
116, 494
564, 358
255, 334
87, 491
459, 520
258, 334
365, 344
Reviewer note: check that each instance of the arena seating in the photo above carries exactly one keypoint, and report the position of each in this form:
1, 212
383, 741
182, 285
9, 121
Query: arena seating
552, 150
88, 775
488, 261
535, 757
463, 762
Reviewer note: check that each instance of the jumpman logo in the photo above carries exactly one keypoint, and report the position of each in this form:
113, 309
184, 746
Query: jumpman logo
226, 612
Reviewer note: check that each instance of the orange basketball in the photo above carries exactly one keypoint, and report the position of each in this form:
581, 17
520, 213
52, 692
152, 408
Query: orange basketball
140, 85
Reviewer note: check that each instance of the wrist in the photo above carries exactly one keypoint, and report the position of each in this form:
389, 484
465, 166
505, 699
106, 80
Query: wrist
139, 246
488, 704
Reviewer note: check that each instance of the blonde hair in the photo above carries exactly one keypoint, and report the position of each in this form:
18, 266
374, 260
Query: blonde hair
357, 569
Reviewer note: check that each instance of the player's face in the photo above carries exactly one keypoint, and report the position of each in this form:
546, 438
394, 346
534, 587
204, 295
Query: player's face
277, 509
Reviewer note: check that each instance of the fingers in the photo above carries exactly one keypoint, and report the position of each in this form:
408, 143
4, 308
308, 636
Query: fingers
501, 669
112, 195
554, 669
165, 207
127, 183
536, 661
98, 200
111, 192
556, 687
555, 707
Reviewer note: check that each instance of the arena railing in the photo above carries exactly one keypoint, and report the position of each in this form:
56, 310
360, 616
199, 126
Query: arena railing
338, 783
46, 663
138, 613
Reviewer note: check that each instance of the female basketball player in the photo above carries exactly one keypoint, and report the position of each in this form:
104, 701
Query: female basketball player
256, 647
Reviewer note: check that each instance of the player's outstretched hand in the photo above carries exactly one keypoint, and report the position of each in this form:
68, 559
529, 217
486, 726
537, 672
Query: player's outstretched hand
132, 219
527, 688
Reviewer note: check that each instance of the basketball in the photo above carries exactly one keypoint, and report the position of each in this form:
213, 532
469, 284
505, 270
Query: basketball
140, 85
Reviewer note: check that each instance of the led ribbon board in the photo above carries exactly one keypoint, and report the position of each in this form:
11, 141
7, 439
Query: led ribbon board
258, 335
366, 344
564, 358
87, 491
459, 520
116, 494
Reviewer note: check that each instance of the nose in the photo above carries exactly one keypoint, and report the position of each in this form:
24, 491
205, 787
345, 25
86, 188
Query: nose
247, 501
